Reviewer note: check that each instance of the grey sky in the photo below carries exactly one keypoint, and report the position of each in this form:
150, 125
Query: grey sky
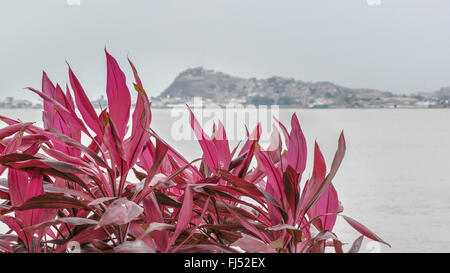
401, 46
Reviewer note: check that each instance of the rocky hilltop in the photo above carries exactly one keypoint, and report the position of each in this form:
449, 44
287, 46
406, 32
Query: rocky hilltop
219, 88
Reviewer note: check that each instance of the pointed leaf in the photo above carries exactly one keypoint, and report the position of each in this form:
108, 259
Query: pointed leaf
364, 230
356, 245
51, 201
119, 98
296, 155
184, 216
74, 221
207, 145
84, 105
251, 245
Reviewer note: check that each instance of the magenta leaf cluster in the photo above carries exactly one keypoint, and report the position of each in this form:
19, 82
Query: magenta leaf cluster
58, 190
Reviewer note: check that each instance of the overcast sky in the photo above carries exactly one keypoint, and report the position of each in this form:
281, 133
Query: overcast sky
401, 45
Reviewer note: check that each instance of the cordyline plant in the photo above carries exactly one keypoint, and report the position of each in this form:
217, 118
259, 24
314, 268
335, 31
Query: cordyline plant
58, 190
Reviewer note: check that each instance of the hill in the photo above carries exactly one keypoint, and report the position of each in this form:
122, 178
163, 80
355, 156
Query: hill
221, 88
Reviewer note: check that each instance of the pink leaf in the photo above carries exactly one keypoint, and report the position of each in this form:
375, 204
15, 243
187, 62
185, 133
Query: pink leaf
16, 225
10, 130
136, 75
317, 185
35, 188
296, 155
74, 221
119, 99
364, 230
356, 245
179, 158
246, 224
184, 216
207, 145
223, 149
153, 215
52, 201
100, 200
274, 178
138, 232
120, 212
84, 105
85, 236
49, 89
17, 184
137, 246
112, 140
285, 132
65, 114
251, 245
290, 184
248, 149
242, 184
328, 204
141, 122
200, 221
275, 147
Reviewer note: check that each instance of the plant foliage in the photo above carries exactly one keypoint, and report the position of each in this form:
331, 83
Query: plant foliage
59, 189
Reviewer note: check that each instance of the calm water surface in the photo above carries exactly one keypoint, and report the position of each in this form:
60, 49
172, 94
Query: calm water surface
395, 177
